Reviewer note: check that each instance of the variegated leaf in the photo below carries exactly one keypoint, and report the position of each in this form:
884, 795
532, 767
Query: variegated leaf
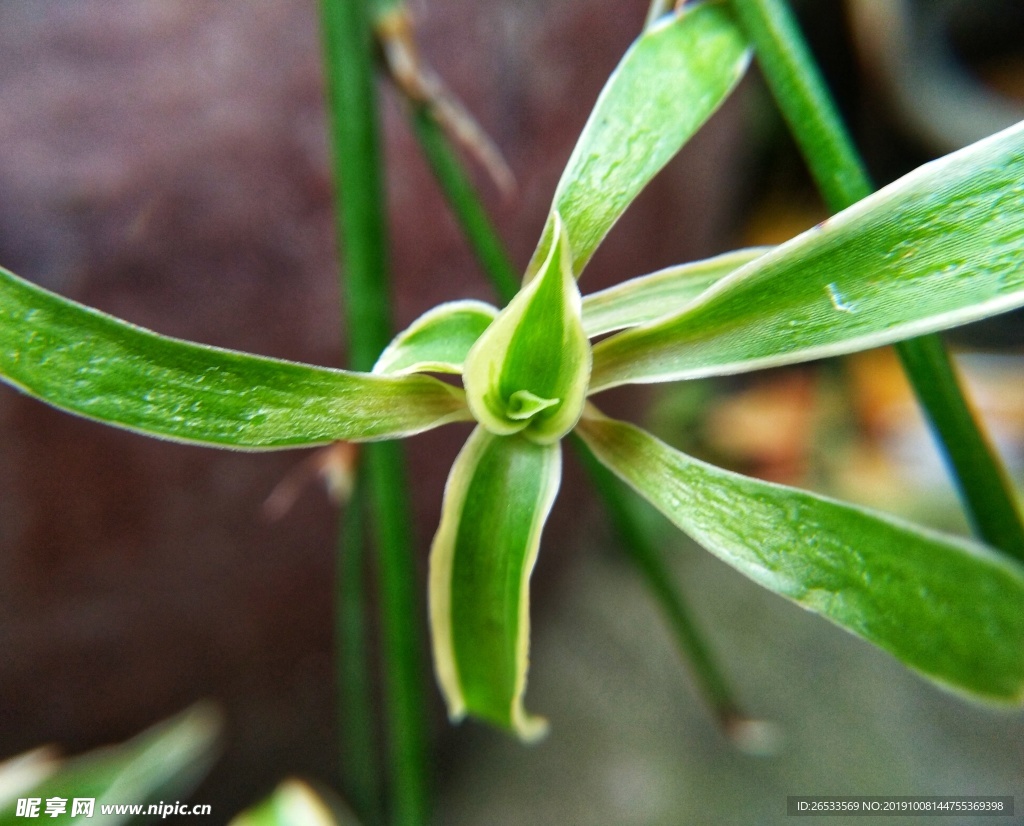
92, 364
497, 499
941, 247
438, 341
948, 608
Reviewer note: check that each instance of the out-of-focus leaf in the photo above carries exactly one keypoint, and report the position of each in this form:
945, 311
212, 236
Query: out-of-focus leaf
293, 803
438, 341
163, 763
948, 608
666, 86
528, 372
941, 247
23, 772
97, 366
659, 294
497, 499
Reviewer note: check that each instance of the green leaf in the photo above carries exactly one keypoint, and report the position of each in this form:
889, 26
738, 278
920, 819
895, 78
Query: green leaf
528, 371
666, 86
163, 763
946, 607
938, 248
293, 803
438, 341
89, 363
659, 294
497, 499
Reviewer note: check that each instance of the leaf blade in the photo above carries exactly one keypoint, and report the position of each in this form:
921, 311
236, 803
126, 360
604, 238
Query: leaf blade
438, 341
950, 609
941, 247
89, 363
670, 81
165, 761
650, 297
497, 499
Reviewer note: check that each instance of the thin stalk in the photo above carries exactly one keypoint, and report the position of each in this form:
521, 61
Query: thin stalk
348, 61
996, 520
401, 617
710, 678
359, 748
798, 88
465, 204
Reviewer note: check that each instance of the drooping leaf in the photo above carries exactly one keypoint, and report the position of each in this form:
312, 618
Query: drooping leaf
659, 294
499, 493
438, 341
941, 247
528, 371
948, 608
92, 364
666, 86
163, 763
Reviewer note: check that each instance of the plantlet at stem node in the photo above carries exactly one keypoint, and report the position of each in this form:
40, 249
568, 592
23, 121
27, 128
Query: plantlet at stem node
938, 248
529, 370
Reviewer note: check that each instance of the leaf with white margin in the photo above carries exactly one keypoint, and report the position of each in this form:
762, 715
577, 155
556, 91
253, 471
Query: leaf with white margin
661, 293
164, 762
669, 82
86, 362
940, 247
438, 341
497, 499
295, 803
528, 372
949, 608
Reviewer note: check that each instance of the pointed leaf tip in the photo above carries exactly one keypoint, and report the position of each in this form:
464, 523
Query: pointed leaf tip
669, 82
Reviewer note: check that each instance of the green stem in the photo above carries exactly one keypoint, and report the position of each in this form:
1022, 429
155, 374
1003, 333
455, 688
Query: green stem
359, 756
794, 79
649, 562
401, 617
464, 203
348, 61
995, 518
792, 75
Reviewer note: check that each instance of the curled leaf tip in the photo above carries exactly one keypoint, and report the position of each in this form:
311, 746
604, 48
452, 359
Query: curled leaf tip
524, 405
529, 728
497, 499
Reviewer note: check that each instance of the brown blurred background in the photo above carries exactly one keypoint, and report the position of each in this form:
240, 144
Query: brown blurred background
167, 163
